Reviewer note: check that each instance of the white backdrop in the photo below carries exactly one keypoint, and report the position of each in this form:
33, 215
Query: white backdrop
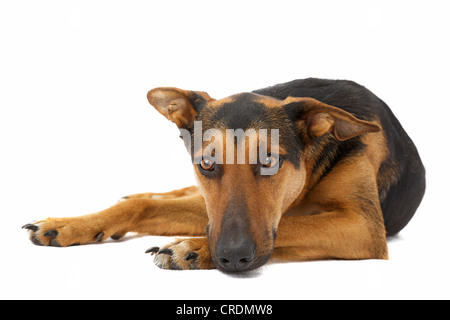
77, 133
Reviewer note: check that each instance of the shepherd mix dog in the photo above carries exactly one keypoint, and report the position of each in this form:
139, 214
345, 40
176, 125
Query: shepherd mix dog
347, 176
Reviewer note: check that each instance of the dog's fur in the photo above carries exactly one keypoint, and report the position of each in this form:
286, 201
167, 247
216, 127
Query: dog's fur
348, 176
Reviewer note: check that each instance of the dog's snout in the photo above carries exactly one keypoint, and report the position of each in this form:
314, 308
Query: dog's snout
235, 256
235, 248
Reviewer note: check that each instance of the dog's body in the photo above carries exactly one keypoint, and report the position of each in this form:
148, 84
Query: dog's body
347, 175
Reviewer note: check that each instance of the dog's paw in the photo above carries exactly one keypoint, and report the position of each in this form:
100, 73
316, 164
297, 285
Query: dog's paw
66, 232
183, 254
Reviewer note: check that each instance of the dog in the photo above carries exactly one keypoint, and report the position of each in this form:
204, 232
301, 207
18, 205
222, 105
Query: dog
345, 176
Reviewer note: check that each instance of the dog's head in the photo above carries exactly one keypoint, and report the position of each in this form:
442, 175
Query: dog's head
250, 155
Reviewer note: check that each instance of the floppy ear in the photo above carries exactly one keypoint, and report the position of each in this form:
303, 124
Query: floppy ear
320, 119
178, 106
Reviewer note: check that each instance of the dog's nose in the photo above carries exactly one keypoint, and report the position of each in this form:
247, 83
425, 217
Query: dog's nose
235, 256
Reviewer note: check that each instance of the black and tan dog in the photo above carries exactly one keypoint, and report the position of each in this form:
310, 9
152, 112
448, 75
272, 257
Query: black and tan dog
347, 176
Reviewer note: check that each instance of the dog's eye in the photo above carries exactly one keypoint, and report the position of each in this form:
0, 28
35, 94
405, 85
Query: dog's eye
270, 162
207, 164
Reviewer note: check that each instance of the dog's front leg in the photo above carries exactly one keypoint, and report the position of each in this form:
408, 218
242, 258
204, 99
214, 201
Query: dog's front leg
184, 216
330, 235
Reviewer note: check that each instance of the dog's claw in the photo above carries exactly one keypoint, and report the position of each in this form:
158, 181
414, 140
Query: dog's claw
166, 251
192, 256
51, 234
100, 237
31, 227
116, 236
123, 199
152, 250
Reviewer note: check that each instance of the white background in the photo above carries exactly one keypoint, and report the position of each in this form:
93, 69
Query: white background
77, 133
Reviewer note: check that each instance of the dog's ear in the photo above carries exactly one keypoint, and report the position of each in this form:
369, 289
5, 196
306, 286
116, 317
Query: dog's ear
178, 106
319, 119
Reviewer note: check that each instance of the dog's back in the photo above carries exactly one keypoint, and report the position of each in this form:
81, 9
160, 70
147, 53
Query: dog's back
401, 176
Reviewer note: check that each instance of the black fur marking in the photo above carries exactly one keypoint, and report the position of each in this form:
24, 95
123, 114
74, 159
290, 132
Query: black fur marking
197, 101
333, 152
242, 113
246, 112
